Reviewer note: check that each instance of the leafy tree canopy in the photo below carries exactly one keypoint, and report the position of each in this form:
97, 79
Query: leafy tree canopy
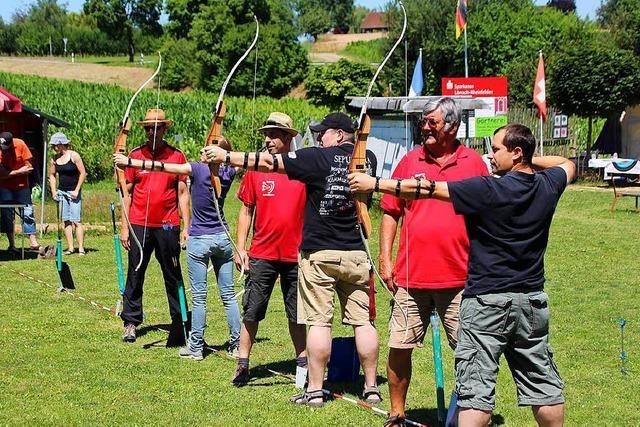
595, 81
223, 30
118, 18
318, 16
622, 19
563, 5
331, 84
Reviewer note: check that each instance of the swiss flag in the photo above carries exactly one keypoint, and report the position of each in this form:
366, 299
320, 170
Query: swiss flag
539, 92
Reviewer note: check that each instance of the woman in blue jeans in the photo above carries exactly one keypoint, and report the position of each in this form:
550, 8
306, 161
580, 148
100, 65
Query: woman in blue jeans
207, 240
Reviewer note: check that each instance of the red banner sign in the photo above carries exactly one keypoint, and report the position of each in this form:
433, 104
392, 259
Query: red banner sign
476, 87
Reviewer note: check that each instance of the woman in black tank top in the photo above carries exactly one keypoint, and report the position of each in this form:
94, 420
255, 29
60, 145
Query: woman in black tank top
66, 176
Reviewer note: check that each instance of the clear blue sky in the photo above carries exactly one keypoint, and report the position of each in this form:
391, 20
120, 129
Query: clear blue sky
8, 7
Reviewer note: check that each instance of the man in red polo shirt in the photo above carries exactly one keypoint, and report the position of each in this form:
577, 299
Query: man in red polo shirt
279, 204
157, 201
431, 264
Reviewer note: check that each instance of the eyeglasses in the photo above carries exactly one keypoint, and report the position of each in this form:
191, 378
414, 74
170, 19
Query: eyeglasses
429, 121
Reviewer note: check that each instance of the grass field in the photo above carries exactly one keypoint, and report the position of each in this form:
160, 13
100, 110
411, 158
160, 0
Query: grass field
62, 361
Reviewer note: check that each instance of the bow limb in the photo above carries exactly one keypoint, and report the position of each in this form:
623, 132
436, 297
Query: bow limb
215, 136
359, 157
215, 131
359, 164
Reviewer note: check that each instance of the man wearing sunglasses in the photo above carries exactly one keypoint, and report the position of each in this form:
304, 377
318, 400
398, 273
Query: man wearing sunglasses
436, 284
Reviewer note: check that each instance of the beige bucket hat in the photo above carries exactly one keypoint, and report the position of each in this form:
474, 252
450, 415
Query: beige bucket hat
280, 121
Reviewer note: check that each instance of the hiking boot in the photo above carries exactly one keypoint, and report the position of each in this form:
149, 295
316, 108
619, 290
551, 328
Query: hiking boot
129, 334
186, 353
234, 351
241, 377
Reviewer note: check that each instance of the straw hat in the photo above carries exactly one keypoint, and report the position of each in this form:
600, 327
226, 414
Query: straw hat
279, 121
153, 116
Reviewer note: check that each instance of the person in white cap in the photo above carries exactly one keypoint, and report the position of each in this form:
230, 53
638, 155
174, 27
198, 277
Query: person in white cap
66, 176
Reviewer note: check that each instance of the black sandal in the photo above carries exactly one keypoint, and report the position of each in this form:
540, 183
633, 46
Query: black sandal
371, 395
307, 397
395, 420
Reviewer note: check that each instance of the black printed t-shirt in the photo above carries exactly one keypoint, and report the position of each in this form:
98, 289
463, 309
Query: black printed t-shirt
329, 213
508, 222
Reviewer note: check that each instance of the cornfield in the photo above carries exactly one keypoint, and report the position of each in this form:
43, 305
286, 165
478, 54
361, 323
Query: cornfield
95, 111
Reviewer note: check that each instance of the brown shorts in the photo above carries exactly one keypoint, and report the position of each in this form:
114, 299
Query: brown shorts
324, 273
418, 304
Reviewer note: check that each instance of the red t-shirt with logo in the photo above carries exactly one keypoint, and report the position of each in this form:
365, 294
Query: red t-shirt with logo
434, 247
279, 207
155, 194
12, 159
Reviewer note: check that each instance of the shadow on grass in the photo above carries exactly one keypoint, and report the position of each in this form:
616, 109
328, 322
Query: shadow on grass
429, 416
17, 256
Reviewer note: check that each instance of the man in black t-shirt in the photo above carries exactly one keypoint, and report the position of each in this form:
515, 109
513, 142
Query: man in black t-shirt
504, 308
333, 259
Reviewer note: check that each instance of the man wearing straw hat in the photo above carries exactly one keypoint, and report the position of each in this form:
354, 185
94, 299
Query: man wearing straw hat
157, 201
278, 203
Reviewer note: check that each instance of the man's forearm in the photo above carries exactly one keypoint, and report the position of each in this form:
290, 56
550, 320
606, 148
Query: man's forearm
410, 188
183, 203
244, 221
388, 227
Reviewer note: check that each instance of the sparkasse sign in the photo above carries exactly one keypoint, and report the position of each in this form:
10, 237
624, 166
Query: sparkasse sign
476, 87
494, 90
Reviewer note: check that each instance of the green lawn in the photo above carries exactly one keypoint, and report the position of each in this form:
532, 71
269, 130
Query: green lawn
62, 361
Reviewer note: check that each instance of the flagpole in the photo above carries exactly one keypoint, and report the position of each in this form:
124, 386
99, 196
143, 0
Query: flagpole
541, 137
466, 64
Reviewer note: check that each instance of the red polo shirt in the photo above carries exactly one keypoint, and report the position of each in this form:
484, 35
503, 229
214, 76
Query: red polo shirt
434, 247
279, 206
14, 158
155, 194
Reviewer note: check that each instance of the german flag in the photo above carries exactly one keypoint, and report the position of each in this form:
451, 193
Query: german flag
461, 17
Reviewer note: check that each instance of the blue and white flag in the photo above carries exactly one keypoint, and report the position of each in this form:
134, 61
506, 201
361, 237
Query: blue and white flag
417, 81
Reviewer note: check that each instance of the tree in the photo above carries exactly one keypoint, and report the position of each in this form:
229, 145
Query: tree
504, 40
565, 6
181, 14
315, 21
331, 84
595, 81
622, 19
223, 30
357, 16
318, 16
119, 18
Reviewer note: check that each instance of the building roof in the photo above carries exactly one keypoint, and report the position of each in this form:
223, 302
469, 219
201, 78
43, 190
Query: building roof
403, 104
374, 20
9, 102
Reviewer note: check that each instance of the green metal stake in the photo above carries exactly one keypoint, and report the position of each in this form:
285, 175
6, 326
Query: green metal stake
437, 363
182, 297
59, 242
118, 250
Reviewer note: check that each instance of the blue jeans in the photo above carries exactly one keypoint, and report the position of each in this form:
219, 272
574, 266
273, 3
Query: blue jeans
201, 249
21, 196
